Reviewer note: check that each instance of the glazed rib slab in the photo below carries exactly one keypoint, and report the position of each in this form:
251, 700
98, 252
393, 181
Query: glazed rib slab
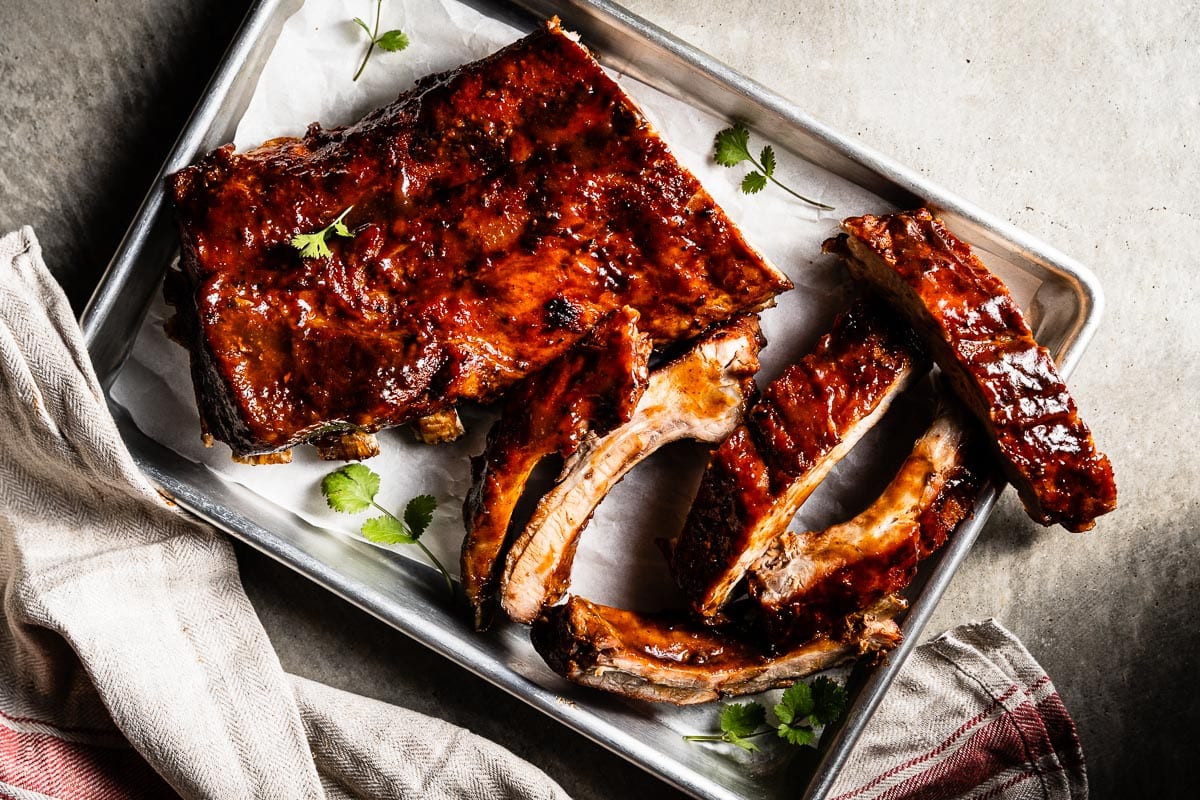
980, 339
499, 211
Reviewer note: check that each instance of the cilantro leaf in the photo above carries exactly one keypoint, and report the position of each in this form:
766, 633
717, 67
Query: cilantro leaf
739, 723
796, 703
351, 488
732, 146
737, 741
742, 719
418, 514
768, 160
387, 530
753, 183
797, 735
313, 245
829, 700
392, 41
821, 702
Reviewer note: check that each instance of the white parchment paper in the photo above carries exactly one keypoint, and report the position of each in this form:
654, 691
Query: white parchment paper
307, 78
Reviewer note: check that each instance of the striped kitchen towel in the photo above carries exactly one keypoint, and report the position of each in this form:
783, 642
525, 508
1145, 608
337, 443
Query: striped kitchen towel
971, 715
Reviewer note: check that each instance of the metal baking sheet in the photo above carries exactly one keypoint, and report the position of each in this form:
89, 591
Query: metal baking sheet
1065, 311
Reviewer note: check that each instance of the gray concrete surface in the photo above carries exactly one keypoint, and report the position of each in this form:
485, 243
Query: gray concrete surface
1077, 122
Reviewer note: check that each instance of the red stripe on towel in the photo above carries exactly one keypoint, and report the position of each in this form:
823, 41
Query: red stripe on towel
962, 730
996, 747
42, 763
1030, 741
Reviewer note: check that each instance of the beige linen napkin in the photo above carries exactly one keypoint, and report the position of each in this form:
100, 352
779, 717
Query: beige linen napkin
132, 665
125, 624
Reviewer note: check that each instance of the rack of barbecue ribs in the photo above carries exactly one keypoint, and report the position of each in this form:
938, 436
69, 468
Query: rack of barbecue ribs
978, 336
802, 588
497, 212
804, 423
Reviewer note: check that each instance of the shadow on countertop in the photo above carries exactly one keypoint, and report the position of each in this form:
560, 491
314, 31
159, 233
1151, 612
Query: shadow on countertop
93, 97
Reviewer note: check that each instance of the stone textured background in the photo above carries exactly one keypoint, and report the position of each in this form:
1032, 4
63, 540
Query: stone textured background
1076, 122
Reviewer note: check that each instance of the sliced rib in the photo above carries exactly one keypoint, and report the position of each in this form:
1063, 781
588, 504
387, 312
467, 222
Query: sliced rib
806, 421
592, 388
699, 395
980, 339
669, 658
498, 211
806, 583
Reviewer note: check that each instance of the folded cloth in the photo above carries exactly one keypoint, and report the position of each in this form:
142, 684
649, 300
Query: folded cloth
972, 714
132, 665
131, 662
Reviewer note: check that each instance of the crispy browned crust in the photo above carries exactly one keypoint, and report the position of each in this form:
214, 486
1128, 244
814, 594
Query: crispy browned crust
593, 387
669, 658
804, 422
981, 341
439, 427
499, 211
350, 446
808, 583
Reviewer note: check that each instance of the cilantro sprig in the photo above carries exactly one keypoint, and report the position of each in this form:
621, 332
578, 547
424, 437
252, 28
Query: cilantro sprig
392, 41
739, 723
802, 707
732, 147
313, 245
352, 489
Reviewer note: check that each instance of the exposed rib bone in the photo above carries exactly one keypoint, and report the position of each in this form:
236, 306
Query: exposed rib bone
440, 427
699, 395
593, 387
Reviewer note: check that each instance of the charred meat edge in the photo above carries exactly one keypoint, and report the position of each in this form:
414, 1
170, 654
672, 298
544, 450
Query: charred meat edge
699, 395
671, 658
498, 211
352, 446
806, 583
805, 422
592, 388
